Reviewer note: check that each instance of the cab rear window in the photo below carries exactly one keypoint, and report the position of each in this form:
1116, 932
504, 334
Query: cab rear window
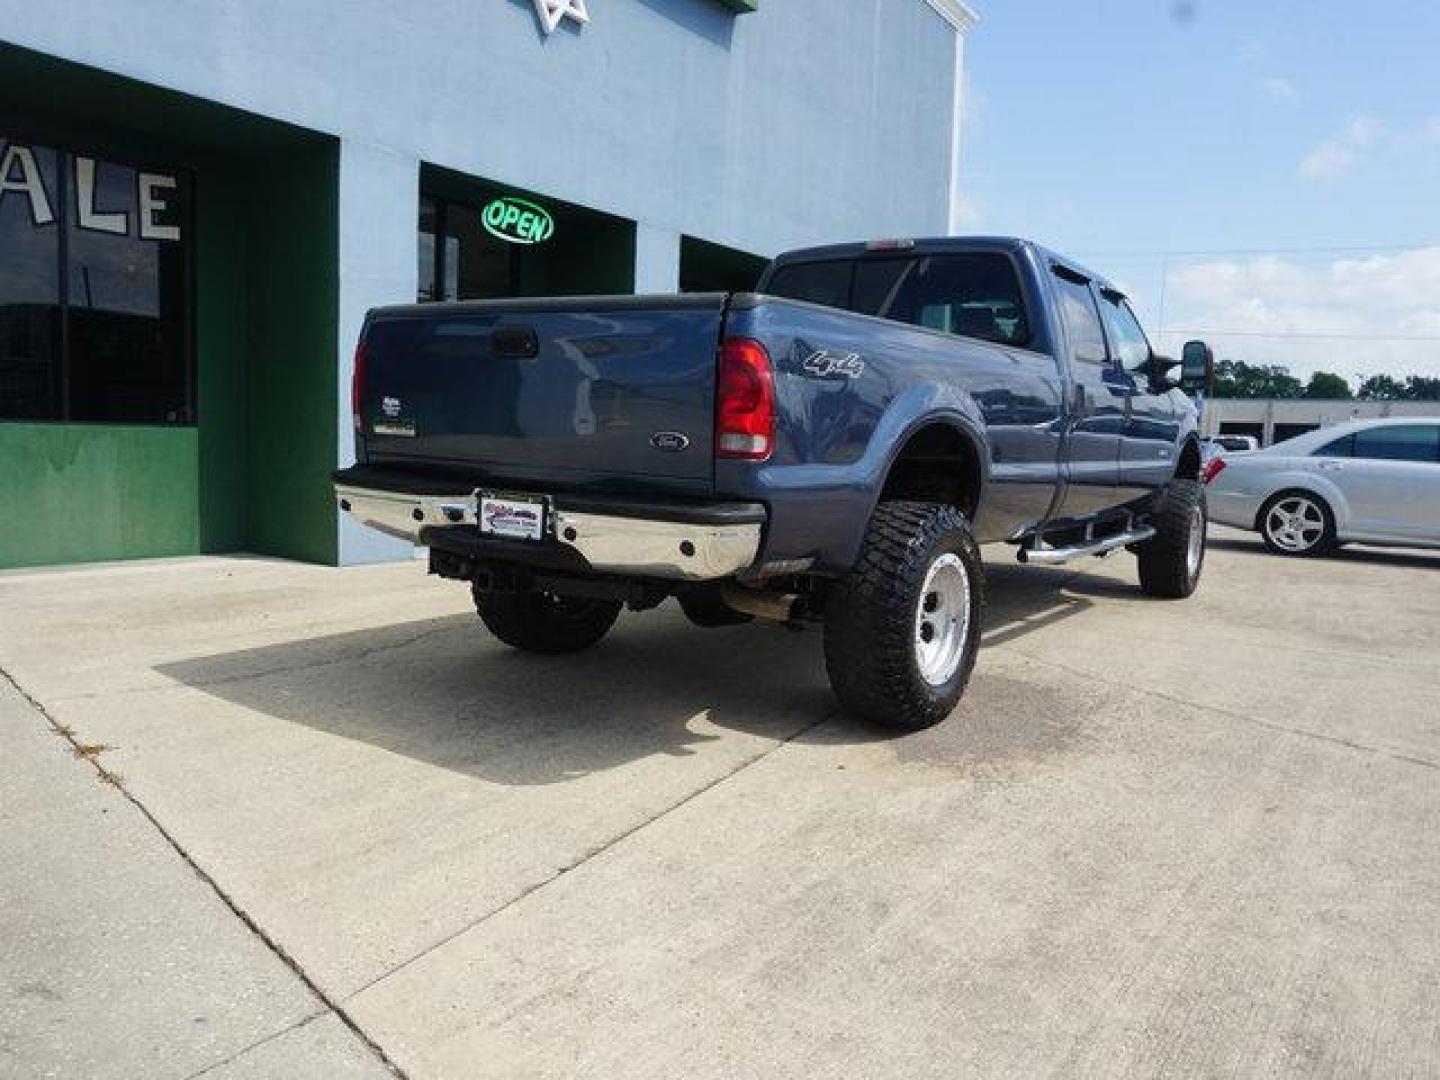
975, 295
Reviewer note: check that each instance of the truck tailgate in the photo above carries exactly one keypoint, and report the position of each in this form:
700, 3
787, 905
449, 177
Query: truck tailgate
573, 393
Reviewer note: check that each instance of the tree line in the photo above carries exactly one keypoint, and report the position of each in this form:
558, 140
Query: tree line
1237, 379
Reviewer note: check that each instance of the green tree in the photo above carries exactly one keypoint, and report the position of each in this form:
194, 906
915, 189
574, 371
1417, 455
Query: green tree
1421, 388
1329, 386
1381, 388
1237, 379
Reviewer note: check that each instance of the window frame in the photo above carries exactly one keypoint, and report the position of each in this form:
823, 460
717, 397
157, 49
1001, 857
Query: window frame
67, 148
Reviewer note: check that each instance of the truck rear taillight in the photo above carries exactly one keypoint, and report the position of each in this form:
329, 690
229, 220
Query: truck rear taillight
744, 401
357, 386
1213, 468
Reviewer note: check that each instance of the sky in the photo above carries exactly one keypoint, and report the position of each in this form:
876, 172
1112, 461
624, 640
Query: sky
1264, 174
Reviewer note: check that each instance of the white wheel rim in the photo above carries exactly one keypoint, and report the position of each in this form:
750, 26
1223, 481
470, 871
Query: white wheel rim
1196, 544
942, 620
1295, 523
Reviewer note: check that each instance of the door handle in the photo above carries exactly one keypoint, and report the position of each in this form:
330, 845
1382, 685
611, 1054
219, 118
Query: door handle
1331, 466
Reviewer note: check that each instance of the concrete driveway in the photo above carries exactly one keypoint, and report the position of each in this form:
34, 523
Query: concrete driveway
1157, 839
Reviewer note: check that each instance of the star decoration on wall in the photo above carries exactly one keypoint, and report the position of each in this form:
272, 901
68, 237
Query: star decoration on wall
551, 12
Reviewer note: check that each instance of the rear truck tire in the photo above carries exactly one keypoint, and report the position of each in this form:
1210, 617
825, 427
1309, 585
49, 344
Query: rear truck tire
541, 622
1297, 523
1171, 560
903, 627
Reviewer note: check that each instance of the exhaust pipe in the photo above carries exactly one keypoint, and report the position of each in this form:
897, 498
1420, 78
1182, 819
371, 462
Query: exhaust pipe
772, 606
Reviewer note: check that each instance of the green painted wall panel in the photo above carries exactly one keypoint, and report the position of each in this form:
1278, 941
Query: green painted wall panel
85, 492
292, 290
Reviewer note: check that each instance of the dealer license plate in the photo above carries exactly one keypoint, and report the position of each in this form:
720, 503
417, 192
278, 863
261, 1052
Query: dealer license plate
514, 517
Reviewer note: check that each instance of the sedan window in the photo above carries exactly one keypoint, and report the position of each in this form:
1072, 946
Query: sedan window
1339, 448
1408, 442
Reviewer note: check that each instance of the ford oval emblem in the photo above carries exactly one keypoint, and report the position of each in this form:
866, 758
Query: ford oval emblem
670, 441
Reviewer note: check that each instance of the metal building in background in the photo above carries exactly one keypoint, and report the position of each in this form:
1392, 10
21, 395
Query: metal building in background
1273, 420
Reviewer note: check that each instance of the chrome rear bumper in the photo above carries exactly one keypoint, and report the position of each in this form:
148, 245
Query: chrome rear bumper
609, 544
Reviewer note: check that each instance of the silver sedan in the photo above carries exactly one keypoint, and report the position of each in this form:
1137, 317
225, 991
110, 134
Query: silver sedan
1368, 481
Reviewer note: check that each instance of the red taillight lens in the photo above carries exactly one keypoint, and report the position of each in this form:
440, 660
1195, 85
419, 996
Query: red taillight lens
1213, 468
357, 386
744, 401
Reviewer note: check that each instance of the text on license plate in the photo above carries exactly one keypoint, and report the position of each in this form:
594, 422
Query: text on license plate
516, 519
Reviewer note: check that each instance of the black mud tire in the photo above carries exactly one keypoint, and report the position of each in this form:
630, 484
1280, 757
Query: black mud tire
871, 650
1169, 566
541, 622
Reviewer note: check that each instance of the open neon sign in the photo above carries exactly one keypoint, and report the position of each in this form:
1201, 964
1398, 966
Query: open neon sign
517, 221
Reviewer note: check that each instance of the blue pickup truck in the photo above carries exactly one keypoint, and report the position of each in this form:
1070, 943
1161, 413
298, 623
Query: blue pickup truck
832, 448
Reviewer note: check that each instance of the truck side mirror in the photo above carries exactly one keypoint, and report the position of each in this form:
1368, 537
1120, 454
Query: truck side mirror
1197, 368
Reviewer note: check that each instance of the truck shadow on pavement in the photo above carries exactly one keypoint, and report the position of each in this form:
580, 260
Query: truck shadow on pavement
444, 692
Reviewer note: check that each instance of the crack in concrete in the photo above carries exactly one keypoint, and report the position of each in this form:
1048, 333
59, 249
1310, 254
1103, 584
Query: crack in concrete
309, 1018
591, 853
118, 783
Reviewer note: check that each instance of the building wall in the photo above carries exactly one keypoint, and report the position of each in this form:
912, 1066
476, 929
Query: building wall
808, 121
308, 126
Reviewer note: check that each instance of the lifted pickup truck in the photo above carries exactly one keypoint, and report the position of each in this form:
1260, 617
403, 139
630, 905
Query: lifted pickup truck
831, 448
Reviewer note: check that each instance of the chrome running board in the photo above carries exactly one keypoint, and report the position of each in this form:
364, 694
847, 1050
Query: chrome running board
1053, 556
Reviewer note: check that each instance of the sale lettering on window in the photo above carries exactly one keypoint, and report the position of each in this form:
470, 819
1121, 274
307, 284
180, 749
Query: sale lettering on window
95, 294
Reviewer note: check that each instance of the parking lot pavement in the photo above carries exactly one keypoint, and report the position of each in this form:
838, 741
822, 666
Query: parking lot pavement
1155, 839
116, 958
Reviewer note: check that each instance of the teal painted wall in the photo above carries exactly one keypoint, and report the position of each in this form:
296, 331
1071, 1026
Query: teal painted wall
84, 492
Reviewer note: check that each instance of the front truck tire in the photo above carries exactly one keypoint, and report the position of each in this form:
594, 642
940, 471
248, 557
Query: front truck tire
1171, 560
903, 627
542, 622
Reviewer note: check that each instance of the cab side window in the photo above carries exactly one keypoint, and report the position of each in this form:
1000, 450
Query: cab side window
1131, 346
1082, 319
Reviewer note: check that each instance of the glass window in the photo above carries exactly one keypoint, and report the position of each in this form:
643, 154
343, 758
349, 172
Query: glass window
825, 283
976, 295
1077, 308
29, 283
470, 264
429, 229
1131, 346
876, 283
1342, 447
100, 332
1406, 442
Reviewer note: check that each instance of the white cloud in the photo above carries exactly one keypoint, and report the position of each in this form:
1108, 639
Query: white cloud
1338, 154
1351, 315
1278, 89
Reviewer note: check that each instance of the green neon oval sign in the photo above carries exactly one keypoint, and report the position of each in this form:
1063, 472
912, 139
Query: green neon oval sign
517, 221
